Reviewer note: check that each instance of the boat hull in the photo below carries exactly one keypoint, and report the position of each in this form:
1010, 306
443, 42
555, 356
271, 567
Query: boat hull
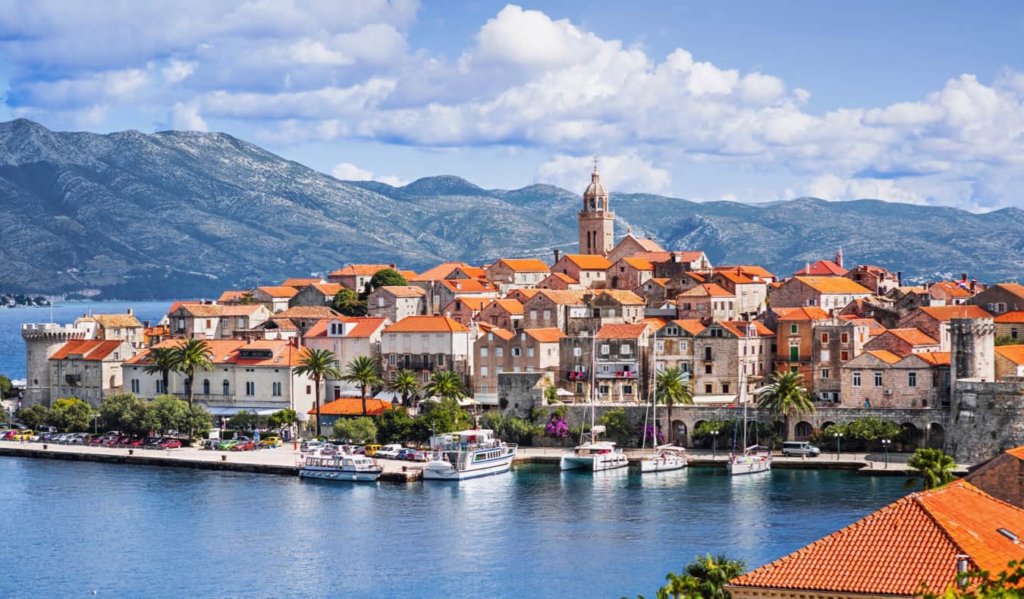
443, 470
594, 463
338, 474
662, 464
748, 466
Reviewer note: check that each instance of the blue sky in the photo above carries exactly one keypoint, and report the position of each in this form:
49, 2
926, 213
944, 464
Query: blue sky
904, 101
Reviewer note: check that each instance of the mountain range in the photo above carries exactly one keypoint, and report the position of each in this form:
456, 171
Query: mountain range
187, 214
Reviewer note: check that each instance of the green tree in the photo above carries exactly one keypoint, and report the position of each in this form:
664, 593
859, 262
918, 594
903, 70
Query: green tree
551, 394
933, 466
33, 416
394, 426
446, 384
282, 418
190, 357
199, 419
405, 384
1005, 340
712, 574
783, 395
162, 361
347, 302
355, 430
243, 420
388, 277
70, 414
981, 584
616, 423
125, 412
167, 413
318, 365
439, 417
672, 389
5, 386
363, 371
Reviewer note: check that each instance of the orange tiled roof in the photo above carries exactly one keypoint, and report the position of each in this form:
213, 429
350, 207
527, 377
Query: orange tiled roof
427, 324
473, 303
627, 298
951, 288
564, 277
739, 328
661, 281
1013, 353
1014, 288
822, 268
1013, 317
278, 291
646, 243
935, 358
893, 551
299, 283
503, 334
588, 261
307, 312
328, 289
874, 327
199, 310
232, 295
241, 309
365, 326
639, 263
884, 355
362, 270
221, 350
707, 290
548, 335
833, 284
92, 350
404, 290
512, 306
439, 272
117, 321
944, 313
523, 293
801, 314
408, 275
1017, 452
654, 323
561, 296
458, 286
692, 326
621, 331
914, 336
524, 264
352, 406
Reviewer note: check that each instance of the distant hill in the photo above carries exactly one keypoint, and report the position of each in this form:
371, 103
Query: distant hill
177, 214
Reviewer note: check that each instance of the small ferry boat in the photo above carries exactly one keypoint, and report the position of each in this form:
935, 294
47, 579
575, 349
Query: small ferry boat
594, 456
468, 454
344, 467
753, 460
664, 459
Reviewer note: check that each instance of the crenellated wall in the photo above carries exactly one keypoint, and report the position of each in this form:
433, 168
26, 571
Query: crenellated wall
986, 418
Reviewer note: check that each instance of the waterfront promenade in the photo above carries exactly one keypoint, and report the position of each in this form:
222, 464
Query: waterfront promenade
285, 460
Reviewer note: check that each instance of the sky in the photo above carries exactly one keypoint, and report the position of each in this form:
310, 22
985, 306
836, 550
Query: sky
754, 101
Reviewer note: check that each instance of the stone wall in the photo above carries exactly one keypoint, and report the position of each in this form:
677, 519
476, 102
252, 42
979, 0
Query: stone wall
986, 418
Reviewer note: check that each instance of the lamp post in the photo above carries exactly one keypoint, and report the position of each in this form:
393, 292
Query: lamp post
885, 446
839, 442
714, 444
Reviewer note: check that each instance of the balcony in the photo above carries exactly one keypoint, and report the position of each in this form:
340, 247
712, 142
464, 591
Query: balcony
577, 375
74, 380
618, 374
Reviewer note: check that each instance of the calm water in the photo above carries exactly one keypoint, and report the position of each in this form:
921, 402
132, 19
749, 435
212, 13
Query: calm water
12, 349
158, 532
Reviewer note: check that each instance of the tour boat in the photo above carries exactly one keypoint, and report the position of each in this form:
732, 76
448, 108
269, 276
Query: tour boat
594, 455
665, 458
468, 454
754, 459
344, 467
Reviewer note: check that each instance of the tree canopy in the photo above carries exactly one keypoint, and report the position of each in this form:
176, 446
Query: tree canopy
355, 430
70, 414
388, 277
349, 303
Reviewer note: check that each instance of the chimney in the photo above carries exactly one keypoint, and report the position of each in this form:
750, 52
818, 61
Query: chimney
558, 254
839, 257
899, 278
963, 277
974, 285
130, 312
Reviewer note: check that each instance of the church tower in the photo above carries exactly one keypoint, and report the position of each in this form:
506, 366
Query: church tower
596, 221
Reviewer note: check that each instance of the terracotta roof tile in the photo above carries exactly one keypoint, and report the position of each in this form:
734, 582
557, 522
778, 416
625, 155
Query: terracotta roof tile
232, 295
458, 286
278, 291
561, 297
318, 312
328, 289
622, 296
362, 270
707, 290
654, 323
944, 313
299, 283
833, 284
692, 326
913, 336
564, 277
822, 268
621, 331
512, 306
884, 355
117, 321
353, 406
1013, 353
1013, 317
473, 303
806, 313
548, 335
426, 324
525, 264
588, 261
91, 350
639, 263
739, 328
935, 358
439, 272
365, 327
403, 290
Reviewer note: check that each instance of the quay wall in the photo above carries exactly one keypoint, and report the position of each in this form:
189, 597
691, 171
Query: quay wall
987, 418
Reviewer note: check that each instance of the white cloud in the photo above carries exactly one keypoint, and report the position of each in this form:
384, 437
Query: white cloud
177, 70
831, 187
623, 173
346, 171
186, 117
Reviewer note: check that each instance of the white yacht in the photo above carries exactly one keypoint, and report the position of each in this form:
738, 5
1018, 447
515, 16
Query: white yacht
594, 456
468, 454
753, 460
344, 467
664, 459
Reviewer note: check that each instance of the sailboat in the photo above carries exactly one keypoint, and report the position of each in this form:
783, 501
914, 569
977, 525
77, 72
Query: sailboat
753, 459
594, 455
665, 457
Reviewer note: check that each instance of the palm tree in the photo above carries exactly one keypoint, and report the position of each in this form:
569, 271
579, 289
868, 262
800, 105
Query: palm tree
405, 384
712, 573
680, 586
162, 361
784, 395
934, 467
189, 357
672, 388
445, 384
362, 371
319, 364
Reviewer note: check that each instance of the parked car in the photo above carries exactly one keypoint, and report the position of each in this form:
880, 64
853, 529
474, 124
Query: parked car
78, 438
417, 455
388, 451
137, 443
170, 443
7, 435
310, 445
152, 442
271, 442
211, 443
246, 445
403, 454
370, 450
24, 435
791, 448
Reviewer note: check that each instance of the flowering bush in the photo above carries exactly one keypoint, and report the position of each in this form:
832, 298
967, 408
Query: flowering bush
556, 427
649, 433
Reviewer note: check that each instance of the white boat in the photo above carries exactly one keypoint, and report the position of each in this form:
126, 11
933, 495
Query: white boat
594, 456
664, 459
343, 467
753, 460
468, 454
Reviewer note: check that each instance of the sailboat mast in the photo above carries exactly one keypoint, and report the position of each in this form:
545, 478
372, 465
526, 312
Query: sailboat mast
593, 382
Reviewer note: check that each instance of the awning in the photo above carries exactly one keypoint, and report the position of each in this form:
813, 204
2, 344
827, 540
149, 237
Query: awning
234, 410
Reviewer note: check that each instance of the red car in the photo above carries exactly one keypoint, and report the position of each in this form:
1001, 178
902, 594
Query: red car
244, 446
8, 435
170, 444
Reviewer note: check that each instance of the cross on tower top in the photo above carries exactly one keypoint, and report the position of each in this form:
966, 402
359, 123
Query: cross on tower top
595, 163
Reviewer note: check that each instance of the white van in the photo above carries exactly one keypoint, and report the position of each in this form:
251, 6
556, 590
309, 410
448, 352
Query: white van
800, 448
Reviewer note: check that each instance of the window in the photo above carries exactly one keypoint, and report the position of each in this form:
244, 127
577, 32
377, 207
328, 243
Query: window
911, 379
440, 358
533, 315
856, 378
707, 353
160, 388
380, 301
824, 337
226, 386
547, 314
483, 352
1013, 333
793, 329
611, 312
499, 352
135, 385
625, 349
605, 349
826, 355
579, 388
275, 389
250, 388
393, 359
794, 353
206, 386
603, 389
499, 370
725, 387
824, 373
707, 368
844, 356
878, 378
516, 352
684, 346
659, 346
627, 389
844, 338
529, 352
707, 388
577, 351
483, 371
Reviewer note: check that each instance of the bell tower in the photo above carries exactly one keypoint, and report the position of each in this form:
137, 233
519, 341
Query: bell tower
596, 221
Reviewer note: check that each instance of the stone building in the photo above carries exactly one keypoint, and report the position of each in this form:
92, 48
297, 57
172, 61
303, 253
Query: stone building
795, 332
633, 246
347, 338
356, 276
503, 313
706, 301
315, 294
622, 368
879, 280
629, 273
596, 219
208, 321
42, 341
674, 345
881, 379
427, 344
465, 310
552, 309
835, 343
826, 292
1000, 298
89, 369
274, 298
728, 354
1010, 325
508, 273
1009, 361
605, 306
747, 284
560, 282
935, 320
499, 351
589, 270
396, 302
903, 342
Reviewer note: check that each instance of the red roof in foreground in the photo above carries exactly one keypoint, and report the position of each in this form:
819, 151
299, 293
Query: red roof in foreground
895, 550
353, 406
90, 349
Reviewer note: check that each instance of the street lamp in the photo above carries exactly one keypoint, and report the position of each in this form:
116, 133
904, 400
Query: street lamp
839, 442
714, 444
885, 445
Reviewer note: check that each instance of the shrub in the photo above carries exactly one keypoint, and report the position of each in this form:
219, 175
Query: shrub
355, 430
